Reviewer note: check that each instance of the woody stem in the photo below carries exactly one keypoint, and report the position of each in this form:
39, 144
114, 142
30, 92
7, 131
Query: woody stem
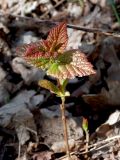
62, 106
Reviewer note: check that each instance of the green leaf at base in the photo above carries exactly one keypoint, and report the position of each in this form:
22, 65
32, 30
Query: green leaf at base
49, 85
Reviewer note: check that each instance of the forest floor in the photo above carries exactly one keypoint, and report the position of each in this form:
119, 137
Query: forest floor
30, 119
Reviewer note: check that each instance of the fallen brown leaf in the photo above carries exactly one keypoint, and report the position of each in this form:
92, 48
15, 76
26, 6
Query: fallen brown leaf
105, 98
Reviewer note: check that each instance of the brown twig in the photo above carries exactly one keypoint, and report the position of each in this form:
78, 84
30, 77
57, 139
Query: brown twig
95, 146
37, 22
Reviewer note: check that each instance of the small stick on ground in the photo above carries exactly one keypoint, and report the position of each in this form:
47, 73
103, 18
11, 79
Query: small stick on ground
94, 146
39, 22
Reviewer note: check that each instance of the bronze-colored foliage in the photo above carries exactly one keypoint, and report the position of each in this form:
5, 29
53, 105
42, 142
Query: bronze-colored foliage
58, 37
50, 55
70, 64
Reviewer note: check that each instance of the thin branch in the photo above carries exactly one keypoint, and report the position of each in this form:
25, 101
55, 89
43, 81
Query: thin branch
105, 145
38, 22
105, 140
95, 30
94, 146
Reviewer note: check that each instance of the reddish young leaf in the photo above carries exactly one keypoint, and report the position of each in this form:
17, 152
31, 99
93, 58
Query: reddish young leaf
50, 55
58, 37
29, 50
35, 53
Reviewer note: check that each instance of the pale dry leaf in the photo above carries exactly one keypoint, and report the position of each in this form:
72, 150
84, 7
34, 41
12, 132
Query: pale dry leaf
45, 155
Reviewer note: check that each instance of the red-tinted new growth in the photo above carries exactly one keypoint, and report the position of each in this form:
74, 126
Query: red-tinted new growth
50, 55
58, 37
85, 124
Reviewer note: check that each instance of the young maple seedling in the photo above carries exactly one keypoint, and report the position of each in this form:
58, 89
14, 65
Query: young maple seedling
51, 55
